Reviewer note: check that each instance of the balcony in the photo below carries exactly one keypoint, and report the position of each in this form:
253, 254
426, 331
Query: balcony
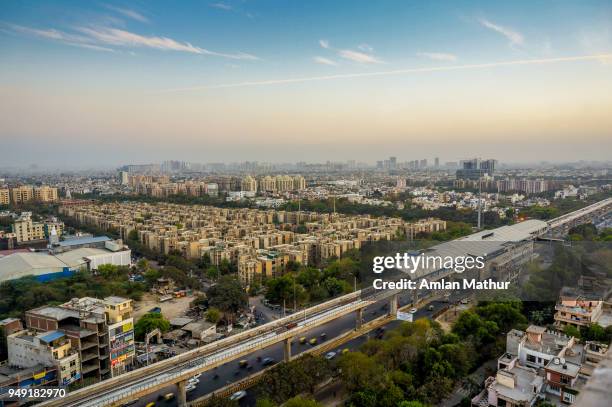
572, 319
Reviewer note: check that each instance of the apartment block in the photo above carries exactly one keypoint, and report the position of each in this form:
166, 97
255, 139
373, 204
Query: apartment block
45, 194
22, 194
4, 196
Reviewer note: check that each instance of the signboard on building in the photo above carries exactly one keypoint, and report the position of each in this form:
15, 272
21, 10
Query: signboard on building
404, 316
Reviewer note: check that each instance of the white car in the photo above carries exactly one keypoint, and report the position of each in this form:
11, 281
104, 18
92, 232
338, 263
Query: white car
413, 310
197, 376
190, 387
238, 395
193, 381
330, 355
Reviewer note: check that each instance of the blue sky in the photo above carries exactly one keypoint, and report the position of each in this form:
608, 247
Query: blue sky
312, 75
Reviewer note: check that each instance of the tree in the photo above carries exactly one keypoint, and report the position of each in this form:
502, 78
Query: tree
571, 330
227, 295
285, 289
359, 372
309, 277
299, 401
596, 332
265, 402
413, 403
221, 402
336, 287
213, 315
148, 322
298, 376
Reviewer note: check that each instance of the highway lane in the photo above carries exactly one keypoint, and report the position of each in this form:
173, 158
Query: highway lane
215, 379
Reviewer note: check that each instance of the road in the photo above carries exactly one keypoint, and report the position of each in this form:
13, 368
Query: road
215, 379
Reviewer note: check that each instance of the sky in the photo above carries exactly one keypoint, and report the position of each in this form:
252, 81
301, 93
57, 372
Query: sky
104, 83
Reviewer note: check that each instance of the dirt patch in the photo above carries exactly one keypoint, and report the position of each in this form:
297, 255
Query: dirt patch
448, 317
170, 309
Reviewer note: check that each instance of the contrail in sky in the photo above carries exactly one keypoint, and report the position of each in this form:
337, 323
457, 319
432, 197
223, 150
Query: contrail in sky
392, 72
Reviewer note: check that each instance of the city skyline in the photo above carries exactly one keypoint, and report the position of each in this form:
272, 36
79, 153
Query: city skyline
104, 84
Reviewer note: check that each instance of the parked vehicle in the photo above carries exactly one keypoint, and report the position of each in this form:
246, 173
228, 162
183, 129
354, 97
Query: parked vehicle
413, 310
330, 355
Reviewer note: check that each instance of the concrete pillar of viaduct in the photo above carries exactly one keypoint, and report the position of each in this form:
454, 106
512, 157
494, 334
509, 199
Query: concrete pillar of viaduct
287, 348
181, 396
393, 305
358, 318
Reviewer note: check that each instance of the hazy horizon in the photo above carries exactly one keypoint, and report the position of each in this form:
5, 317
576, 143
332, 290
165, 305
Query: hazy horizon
90, 85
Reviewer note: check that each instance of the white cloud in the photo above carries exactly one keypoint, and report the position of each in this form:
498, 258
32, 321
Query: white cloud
221, 6
514, 37
99, 38
134, 15
117, 37
438, 56
324, 44
56, 35
324, 61
359, 57
406, 71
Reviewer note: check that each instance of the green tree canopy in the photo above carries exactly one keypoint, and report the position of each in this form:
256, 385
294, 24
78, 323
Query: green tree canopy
149, 322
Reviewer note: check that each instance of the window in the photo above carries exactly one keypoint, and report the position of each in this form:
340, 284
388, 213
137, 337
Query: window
531, 358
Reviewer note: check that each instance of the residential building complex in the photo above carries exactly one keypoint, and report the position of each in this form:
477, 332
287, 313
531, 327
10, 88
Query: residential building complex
259, 242
27, 193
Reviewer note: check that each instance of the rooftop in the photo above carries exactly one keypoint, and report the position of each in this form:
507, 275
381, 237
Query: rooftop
524, 381
57, 313
84, 240
565, 367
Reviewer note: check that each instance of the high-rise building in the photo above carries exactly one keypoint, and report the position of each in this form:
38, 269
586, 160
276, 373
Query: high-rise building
22, 194
392, 163
437, 162
248, 184
4, 196
476, 168
299, 183
124, 177
45, 194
